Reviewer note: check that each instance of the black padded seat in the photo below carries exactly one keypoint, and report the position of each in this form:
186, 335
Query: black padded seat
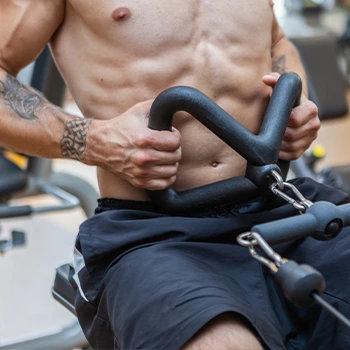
62, 289
12, 178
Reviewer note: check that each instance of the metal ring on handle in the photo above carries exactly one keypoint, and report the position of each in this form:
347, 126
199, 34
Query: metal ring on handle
261, 151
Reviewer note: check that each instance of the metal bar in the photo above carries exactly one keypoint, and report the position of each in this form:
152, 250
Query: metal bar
68, 338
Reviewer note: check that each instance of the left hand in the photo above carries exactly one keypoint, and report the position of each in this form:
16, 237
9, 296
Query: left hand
302, 127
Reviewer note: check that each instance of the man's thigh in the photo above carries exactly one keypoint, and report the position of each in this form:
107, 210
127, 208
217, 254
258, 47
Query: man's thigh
228, 331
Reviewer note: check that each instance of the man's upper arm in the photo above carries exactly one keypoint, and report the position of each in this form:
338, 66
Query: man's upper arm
26, 26
277, 32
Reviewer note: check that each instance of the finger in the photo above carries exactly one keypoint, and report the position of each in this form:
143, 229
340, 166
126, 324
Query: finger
166, 140
304, 113
271, 79
293, 150
307, 130
155, 172
289, 156
157, 140
168, 158
147, 158
176, 132
156, 184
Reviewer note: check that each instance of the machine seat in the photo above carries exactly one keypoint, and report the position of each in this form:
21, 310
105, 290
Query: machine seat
62, 289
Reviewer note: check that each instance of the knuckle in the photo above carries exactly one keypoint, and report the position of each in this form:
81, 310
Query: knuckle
143, 139
177, 142
139, 173
137, 159
288, 135
142, 158
316, 124
138, 183
312, 109
172, 171
155, 185
291, 147
295, 121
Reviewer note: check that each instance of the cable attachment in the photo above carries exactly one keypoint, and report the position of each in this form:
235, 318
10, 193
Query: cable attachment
299, 282
252, 239
277, 188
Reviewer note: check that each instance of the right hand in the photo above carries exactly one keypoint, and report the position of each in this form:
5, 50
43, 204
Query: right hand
126, 147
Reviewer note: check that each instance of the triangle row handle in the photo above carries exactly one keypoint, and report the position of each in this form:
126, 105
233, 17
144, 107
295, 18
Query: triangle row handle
261, 151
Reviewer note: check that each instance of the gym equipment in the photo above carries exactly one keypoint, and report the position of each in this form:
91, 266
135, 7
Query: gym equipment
37, 178
261, 151
302, 284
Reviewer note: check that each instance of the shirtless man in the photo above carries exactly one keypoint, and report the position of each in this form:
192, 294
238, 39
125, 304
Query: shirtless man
116, 56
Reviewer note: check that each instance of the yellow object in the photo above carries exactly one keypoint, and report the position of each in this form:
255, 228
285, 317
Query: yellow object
18, 159
319, 151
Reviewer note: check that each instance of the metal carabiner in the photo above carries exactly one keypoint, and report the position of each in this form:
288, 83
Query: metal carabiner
300, 204
251, 239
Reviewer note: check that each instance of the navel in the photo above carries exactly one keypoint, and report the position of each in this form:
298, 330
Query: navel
121, 14
214, 164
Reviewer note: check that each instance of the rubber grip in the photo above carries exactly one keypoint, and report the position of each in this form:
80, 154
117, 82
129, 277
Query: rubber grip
259, 150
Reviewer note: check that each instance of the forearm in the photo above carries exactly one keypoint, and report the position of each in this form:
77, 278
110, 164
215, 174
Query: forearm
303, 123
32, 125
285, 58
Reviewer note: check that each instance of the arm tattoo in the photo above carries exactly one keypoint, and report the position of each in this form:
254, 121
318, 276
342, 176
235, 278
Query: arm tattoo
73, 142
279, 65
24, 101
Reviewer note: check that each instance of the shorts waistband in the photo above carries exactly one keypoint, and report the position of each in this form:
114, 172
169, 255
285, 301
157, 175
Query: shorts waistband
106, 204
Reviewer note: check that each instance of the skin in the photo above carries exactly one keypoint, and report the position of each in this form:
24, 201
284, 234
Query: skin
116, 57
212, 47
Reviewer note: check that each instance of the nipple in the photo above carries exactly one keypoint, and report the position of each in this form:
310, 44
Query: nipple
121, 13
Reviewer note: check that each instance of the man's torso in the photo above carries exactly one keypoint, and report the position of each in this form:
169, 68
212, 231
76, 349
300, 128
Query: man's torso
114, 54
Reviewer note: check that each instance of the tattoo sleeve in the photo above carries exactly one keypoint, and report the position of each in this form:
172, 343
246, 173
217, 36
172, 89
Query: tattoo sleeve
25, 102
279, 64
73, 143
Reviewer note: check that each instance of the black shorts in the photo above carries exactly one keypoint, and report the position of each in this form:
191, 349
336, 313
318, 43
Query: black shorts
146, 280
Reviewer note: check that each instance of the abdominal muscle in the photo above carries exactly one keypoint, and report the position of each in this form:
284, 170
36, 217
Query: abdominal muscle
205, 157
227, 72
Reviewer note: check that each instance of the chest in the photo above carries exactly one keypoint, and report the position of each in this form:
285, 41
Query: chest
174, 21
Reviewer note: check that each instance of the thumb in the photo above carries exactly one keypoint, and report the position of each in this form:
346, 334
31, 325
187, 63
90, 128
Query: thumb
271, 79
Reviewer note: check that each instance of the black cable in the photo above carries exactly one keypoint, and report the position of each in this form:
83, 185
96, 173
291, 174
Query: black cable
331, 309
